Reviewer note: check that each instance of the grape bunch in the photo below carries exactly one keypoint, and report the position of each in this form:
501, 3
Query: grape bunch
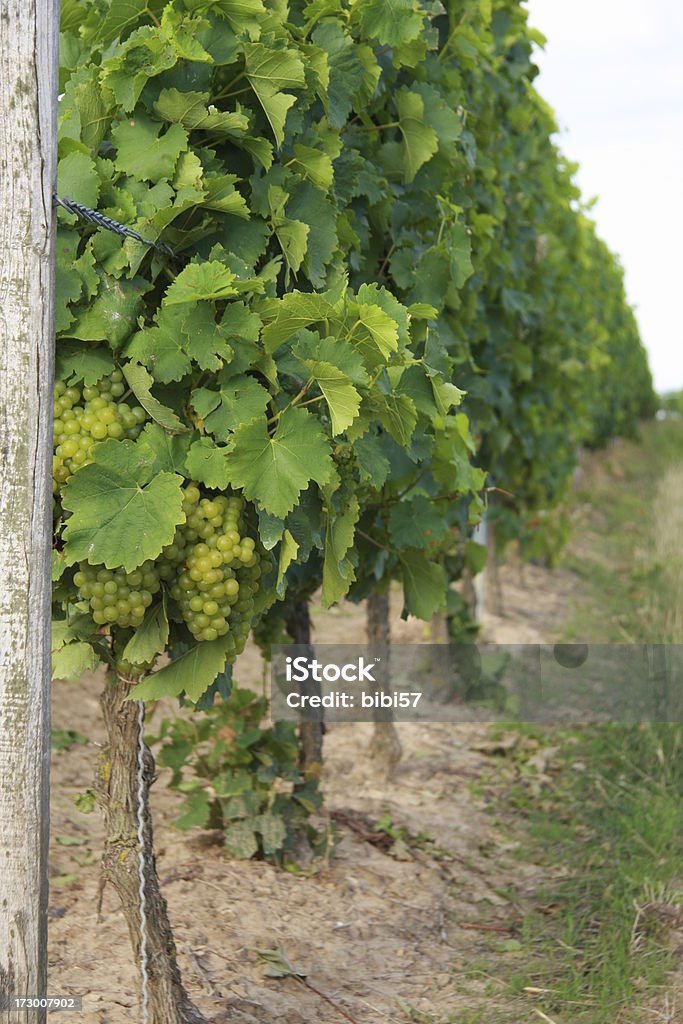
213, 568
117, 597
84, 416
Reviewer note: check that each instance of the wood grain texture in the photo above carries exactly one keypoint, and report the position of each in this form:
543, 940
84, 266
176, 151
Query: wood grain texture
28, 96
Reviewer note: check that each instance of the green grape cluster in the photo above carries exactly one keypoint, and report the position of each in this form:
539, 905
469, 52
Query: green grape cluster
117, 597
213, 568
84, 416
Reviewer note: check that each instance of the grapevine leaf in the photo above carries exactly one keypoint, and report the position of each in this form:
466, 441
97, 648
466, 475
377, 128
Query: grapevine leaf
391, 22
140, 382
209, 281
273, 831
420, 141
314, 165
240, 839
238, 400
197, 810
121, 14
243, 16
371, 460
77, 178
289, 314
203, 338
193, 672
337, 351
345, 69
376, 327
206, 463
338, 570
151, 636
272, 471
424, 584
160, 348
123, 513
143, 55
72, 660
269, 71
112, 314
416, 521
310, 208
460, 252
342, 398
446, 395
221, 195
145, 154
169, 450
397, 414
76, 362
193, 111
288, 552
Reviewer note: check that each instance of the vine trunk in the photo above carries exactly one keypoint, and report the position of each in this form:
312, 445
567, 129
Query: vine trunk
385, 746
310, 732
117, 787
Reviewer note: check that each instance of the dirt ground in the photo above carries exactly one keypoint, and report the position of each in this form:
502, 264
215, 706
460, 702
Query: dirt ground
397, 935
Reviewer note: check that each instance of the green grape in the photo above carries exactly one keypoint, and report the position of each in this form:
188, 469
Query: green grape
112, 594
210, 561
85, 416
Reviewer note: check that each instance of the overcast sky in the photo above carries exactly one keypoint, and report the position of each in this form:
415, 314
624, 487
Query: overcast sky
613, 71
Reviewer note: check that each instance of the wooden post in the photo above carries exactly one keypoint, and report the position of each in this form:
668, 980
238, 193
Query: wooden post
28, 101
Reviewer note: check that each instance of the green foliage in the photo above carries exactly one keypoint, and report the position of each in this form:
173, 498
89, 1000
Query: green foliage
242, 777
386, 297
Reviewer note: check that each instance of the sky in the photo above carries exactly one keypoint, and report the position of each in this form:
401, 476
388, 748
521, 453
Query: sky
613, 72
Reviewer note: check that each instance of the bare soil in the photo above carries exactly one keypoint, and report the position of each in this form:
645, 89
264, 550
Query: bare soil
398, 934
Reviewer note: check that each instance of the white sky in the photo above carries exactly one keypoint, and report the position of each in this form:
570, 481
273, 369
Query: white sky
613, 72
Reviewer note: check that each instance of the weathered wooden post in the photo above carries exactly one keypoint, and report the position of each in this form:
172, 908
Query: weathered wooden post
28, 99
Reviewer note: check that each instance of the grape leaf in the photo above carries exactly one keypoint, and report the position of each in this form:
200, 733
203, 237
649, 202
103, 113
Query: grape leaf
151, 636
72, 660
123, 512
77, 178
203, 338
209, 281
112, 314
206, 463
168, 450
290, 313
314, 165
415, 521
161, 348
145, 154
424, 584
193, 672
269, 71
338, 570
342, 399
378, 328
140, 383
391, 22
238, 400
288, 552
373, 464
243, 16
272, 471
194, 112
76, 362
420, 141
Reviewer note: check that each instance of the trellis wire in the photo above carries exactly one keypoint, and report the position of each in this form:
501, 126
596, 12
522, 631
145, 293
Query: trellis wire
142, 855
102, 221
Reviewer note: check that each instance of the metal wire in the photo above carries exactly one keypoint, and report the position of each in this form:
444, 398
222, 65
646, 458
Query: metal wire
102, 221
142, 860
